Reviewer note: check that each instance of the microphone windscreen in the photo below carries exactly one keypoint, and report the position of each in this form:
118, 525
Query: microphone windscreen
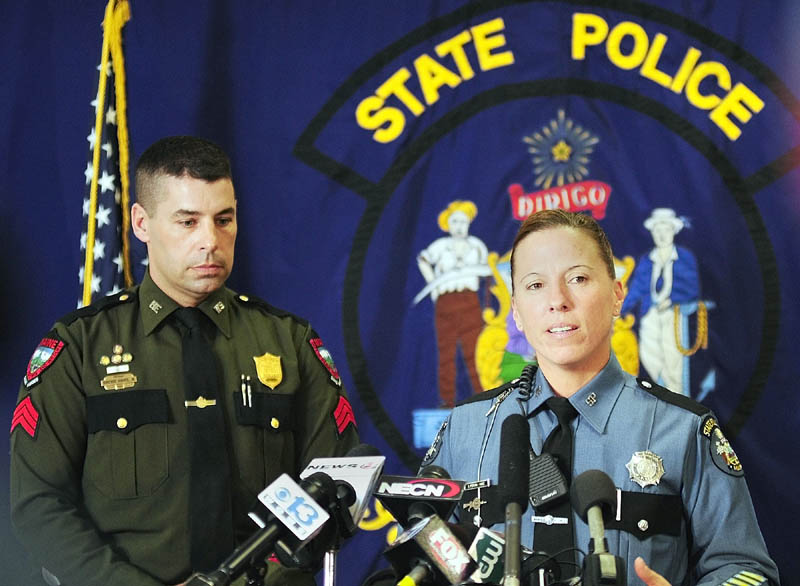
593, 488
434, 471
362, 450
514, 460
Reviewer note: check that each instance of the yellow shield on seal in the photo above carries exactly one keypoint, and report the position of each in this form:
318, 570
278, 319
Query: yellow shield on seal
268, 368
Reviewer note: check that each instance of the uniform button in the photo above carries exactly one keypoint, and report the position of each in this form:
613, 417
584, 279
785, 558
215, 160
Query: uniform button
122, 423
124, 297
244, 298
646, 384
274, 423
643, 525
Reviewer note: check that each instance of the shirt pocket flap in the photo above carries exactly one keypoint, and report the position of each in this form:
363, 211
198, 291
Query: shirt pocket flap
272, 411
125, 411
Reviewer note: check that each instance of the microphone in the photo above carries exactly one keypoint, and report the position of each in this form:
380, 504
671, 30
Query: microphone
593, 496
355, 476
294, 510
431, 551
412, 498
488, 551
513, 483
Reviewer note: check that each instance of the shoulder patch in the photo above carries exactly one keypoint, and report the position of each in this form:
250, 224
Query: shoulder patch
490, 394
42, 358
25, 416
665, 394
100, 305
433, 451
720, 448
326, 359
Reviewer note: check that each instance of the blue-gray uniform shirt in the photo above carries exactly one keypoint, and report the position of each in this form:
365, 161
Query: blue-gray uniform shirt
702, 493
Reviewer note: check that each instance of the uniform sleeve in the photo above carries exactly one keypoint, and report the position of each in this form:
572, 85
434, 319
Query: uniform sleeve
327, 423
48, 446
726, 540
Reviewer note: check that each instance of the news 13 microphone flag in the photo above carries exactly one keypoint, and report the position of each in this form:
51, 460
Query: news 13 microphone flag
384, 155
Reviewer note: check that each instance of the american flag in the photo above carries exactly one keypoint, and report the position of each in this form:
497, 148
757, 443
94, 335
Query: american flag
104, 241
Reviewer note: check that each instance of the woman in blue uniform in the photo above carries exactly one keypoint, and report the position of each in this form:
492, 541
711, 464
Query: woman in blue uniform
684, 513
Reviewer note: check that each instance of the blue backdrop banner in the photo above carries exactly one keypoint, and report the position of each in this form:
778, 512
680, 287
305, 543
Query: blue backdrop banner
384, 155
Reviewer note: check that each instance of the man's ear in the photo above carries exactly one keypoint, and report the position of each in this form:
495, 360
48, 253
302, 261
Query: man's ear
619, 294
140, 222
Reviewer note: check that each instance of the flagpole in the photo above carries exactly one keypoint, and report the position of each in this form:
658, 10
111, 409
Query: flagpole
117, 13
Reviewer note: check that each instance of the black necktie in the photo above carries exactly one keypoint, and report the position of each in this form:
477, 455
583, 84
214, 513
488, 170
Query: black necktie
210, 518
559, 537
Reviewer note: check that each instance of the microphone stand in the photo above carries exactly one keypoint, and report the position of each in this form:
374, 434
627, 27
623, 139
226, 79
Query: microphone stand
329, 571
345, 528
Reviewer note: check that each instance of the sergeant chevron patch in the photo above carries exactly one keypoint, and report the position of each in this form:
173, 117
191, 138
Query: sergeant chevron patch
343, 415
25, 416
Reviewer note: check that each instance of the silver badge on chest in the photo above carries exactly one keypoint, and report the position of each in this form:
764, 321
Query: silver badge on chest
645, 468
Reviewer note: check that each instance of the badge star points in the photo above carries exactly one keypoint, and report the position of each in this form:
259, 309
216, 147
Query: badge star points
645, 468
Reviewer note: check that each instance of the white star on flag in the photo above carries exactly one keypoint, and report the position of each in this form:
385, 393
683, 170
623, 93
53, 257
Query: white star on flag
105, 262
102, 216
106, 182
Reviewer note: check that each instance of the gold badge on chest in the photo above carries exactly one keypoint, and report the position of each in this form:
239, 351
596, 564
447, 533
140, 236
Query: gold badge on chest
268, 369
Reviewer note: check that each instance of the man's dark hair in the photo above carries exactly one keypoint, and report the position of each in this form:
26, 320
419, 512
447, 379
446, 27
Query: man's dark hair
178, 156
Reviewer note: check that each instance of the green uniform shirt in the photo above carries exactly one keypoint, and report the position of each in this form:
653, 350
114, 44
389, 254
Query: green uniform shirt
99, 447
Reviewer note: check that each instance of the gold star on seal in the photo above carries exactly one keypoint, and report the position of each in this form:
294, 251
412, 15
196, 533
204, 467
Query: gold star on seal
561, 152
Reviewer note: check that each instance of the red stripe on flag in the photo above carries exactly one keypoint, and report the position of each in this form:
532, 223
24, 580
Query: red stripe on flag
344, 415
25, 416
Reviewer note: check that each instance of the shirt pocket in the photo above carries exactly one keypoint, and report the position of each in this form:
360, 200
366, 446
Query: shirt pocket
267, 419
127, 453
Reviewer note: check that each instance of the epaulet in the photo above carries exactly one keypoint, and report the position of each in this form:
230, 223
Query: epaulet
100, 305
665, 394
490, 394
253, 301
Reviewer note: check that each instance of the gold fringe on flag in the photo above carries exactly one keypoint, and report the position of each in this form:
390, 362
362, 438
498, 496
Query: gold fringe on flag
116, 15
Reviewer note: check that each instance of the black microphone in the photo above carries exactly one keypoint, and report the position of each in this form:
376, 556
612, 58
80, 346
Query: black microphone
412, 498
295, 510
432, 551
593, 496
513, 483
355, 476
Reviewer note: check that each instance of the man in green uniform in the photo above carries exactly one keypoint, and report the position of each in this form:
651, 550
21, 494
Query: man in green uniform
101, 485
